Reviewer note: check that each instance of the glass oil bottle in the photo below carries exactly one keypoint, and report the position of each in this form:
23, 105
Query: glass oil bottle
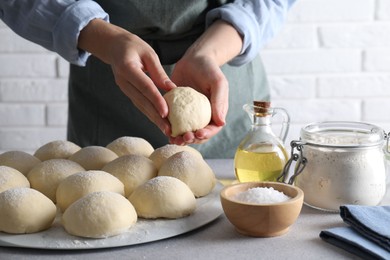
261, 155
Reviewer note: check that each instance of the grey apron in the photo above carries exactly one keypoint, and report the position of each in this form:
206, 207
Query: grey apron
98, 110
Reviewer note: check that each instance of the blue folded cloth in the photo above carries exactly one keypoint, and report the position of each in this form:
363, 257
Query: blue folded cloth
372, 222
368, 234
350, 240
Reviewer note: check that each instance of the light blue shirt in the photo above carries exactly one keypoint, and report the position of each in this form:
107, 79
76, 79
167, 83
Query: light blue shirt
56, 24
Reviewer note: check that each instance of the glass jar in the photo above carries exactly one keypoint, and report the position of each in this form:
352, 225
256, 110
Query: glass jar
340, 163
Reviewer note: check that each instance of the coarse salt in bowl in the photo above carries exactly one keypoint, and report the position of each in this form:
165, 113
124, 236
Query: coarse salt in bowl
262, 195
262, 209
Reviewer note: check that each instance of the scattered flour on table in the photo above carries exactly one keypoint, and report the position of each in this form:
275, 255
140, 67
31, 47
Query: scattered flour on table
262, 195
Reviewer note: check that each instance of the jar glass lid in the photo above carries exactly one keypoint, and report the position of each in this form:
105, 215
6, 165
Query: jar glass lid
342, 133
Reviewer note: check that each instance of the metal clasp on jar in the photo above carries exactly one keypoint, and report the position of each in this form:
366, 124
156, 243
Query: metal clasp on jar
300, 162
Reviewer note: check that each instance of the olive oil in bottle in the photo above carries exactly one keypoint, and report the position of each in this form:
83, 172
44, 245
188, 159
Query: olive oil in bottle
261, 163
261, 155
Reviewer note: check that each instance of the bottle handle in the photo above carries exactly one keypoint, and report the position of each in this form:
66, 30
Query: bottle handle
285, 124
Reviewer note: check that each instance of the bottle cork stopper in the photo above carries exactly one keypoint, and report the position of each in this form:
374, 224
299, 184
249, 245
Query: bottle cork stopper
261, 107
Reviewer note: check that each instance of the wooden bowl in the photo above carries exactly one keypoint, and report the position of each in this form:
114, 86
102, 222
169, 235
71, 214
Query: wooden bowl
262, 220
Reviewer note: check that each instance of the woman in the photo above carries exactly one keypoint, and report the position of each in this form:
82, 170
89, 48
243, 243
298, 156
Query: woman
147, 48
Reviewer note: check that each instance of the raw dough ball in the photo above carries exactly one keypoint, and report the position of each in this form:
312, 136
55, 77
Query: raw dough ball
98, 215
161, 154
132, 171
25, 210
189, 110
131, 145
80, 184
12, 178
58, 149
93, 157
19, 160
163, 197
47, 175
192, 170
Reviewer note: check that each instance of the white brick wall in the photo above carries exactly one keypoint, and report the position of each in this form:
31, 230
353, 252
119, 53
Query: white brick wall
331, 61
33, 94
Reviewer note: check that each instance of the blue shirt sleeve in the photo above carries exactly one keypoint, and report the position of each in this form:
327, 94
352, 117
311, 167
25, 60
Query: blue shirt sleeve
257, 21
53, 24
56, 24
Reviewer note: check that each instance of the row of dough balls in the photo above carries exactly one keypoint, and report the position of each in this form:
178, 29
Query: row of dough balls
134, 182
128, 165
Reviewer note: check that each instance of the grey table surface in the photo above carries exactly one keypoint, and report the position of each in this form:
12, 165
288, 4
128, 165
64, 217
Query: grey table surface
217, 239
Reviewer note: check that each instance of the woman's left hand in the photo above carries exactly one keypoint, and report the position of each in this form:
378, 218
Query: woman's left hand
199, 68
205, 76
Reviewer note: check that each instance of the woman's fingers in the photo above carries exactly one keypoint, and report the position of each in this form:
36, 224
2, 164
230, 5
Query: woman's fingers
146, 106
198, 137
156, 72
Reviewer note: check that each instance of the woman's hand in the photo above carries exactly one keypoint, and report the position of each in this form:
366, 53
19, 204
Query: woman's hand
199, 68
136, 67
204, 75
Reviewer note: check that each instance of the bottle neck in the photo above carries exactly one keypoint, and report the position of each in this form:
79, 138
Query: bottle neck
259, 121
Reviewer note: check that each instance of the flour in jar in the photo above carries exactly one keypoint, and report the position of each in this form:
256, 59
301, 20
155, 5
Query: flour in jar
336, 176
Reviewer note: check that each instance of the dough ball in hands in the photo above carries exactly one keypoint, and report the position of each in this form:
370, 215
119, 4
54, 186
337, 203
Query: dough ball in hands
99, 215
131, 145
80, 184
12, 178
189, 110
132, 171
163, 197
192, 170
19, 160
25, 210
93, 157
47, 175
164, 152
58, 149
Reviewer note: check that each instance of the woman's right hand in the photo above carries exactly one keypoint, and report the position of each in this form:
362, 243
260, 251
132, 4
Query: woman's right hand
136, 67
